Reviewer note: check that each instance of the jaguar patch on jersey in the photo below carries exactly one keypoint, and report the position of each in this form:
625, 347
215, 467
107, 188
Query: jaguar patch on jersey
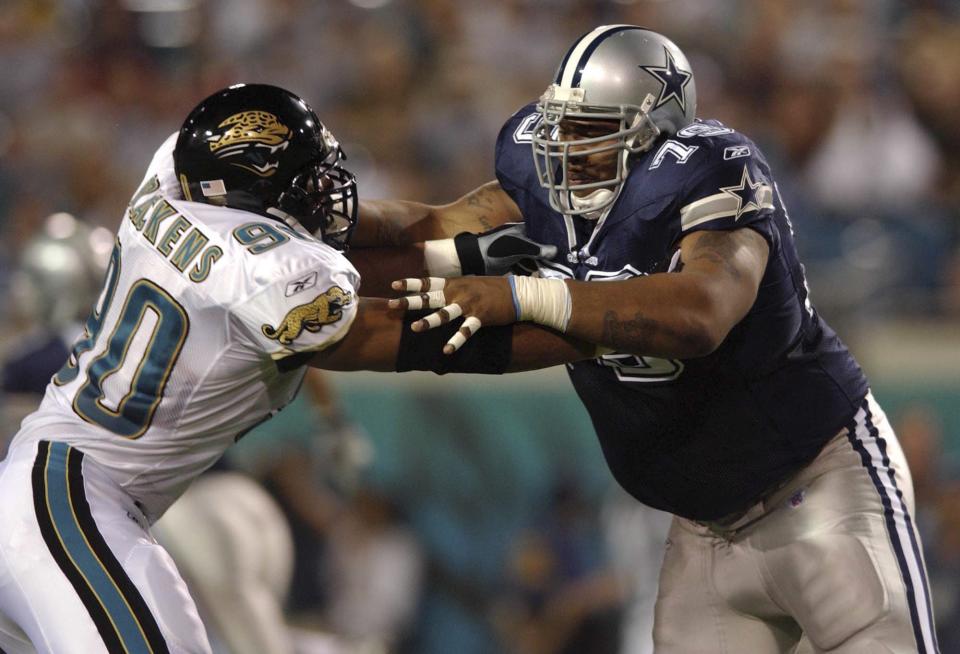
325, 309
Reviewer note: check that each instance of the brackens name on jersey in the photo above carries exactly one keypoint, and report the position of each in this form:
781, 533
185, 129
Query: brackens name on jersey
148, 209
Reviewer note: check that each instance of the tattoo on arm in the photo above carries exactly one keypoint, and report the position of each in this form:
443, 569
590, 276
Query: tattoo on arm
628, 334
478, 200
719, 248
618, 331
480, 210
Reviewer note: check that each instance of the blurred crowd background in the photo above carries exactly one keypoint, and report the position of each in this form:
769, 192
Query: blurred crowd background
477, 516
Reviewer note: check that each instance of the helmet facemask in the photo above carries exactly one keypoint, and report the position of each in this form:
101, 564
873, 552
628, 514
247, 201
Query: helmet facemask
323, 197
554, 157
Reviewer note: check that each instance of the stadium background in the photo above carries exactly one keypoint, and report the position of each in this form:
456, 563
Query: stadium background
496, 485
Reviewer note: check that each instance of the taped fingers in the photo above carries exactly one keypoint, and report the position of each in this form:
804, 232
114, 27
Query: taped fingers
418, 284
437, 318
471, 325
429, 300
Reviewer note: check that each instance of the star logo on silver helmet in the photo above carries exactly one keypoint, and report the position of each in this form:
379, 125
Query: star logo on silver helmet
674, 81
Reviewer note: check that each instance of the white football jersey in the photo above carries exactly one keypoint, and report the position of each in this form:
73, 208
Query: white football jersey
187, 345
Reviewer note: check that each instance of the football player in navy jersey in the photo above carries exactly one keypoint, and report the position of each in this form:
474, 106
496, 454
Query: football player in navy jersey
721, 395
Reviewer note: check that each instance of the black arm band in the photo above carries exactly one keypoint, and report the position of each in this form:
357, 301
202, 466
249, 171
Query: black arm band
486, 352
468, 250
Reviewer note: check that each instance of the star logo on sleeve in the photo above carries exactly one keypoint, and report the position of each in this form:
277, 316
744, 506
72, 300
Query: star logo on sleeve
749, 194
674, 81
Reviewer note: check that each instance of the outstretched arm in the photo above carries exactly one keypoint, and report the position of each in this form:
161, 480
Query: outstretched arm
680, 315
383, 250
389, 223
374, 341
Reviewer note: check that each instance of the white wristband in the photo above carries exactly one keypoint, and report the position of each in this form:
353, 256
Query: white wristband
441, 259
543, 301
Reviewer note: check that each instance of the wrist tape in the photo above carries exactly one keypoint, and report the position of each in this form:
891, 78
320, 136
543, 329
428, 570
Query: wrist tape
441, 259
543, 301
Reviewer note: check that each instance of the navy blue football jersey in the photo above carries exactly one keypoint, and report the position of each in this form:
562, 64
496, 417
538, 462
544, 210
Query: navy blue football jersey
704, 437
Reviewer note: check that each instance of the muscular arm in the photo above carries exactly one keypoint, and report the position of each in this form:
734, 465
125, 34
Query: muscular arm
397, 222
374, 340
378, 266
675, 315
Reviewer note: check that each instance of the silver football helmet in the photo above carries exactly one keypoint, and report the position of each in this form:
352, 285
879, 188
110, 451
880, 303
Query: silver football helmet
60, 272
619, 73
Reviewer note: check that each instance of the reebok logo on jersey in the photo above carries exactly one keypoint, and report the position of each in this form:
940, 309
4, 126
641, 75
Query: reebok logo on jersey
325, 309
736, 151
302, 284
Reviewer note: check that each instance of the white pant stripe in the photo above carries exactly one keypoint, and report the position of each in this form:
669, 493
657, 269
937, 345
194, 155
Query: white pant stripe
868, 442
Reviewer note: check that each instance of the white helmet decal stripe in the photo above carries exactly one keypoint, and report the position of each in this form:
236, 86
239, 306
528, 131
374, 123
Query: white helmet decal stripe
575, 59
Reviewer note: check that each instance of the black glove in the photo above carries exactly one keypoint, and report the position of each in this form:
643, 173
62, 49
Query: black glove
496, 251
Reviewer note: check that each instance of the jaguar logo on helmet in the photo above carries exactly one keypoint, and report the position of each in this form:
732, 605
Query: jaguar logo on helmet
252, 136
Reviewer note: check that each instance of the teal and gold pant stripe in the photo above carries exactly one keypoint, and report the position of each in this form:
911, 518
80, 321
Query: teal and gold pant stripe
114, 603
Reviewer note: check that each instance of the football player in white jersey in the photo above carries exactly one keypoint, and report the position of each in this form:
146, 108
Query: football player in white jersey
224, 282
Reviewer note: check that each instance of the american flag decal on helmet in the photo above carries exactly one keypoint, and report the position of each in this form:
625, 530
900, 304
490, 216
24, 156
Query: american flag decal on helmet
213, 187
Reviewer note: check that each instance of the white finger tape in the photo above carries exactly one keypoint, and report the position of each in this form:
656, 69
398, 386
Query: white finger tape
415, 285
431, 300
444, 315
470, 325
435, 300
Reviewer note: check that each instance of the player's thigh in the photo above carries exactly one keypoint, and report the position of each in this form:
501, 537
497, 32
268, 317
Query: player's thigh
150, 569
34, 593
846, 560
79, 572
695, 616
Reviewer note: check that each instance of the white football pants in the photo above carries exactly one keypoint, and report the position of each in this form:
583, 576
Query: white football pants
830, 562
79, 571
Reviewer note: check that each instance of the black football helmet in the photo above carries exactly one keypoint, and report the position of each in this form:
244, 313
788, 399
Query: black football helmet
261, 148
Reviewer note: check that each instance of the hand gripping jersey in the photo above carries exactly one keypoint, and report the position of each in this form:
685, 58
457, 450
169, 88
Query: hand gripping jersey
205, 316
705, 437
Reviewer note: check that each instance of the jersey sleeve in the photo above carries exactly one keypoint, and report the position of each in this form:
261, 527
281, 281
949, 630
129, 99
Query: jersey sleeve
730, 194
161, 167
513, 151
304, 311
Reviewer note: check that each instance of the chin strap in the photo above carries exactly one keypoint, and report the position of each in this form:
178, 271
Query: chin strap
599, 198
